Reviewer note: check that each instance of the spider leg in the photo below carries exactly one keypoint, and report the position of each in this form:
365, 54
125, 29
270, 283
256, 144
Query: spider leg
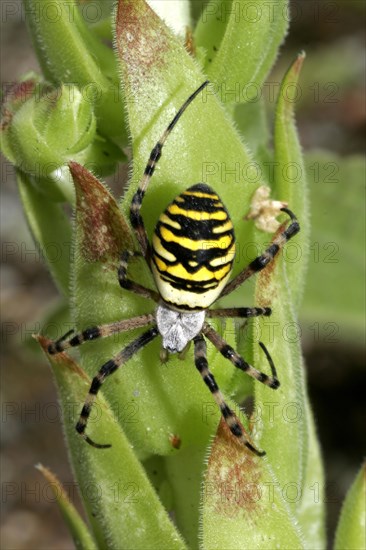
100, 331
242, 312
128, 284
135, 215
264, 259
106, 370
229, 416
229, 353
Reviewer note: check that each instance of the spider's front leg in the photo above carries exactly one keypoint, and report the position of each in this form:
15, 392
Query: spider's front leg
128, 284
229, 353
135, 209
233, 422
239, 312
268, 255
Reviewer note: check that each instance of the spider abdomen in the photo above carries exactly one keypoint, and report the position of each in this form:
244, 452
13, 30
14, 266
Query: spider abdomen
193, 249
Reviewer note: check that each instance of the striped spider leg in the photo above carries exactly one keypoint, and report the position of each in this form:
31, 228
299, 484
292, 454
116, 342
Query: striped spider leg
190, 276
233, 422
268, 255
71, 340
227, 351
108, 368
135, 215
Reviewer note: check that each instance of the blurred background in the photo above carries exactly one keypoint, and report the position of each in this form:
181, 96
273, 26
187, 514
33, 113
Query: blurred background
331, 119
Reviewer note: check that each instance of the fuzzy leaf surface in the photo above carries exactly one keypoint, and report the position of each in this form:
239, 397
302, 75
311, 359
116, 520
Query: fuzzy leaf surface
120, 502
241, 40
51, 230
79, 531
290, 182
242, 502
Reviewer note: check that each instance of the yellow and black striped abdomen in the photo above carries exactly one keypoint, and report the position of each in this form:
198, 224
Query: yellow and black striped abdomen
193, 249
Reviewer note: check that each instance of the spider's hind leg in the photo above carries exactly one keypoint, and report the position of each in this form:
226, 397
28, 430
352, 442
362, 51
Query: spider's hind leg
106, 370
233, 422
229, 353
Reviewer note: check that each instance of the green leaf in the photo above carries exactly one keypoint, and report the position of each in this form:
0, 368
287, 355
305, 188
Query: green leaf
120, 502
282, 418
242, 40
101, 157
51, 230
184, 474
242, 502
311, 510
79, 531
290, 179
69, 52
203, 147
350, 534
252, 123
57, 320
210, 28
285, 420
42, 128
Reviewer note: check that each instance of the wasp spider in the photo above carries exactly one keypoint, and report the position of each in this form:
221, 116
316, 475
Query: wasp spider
189, 277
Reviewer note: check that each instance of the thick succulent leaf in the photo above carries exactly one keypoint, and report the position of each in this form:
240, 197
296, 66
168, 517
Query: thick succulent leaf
282, 420
184, 474
242, 502
120, 502
241, 40
283, 417
51, 230
57, 320
69, 52
290, 179
158, 75
79, 531
311, 510
252, 123
210, 29
350, 534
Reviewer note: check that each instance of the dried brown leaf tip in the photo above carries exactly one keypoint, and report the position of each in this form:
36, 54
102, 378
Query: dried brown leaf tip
298, 63
189, 42
233, 476
141, 40
61, 359
102, 230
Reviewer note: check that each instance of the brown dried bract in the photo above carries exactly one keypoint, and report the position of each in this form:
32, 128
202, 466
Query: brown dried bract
101, 227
